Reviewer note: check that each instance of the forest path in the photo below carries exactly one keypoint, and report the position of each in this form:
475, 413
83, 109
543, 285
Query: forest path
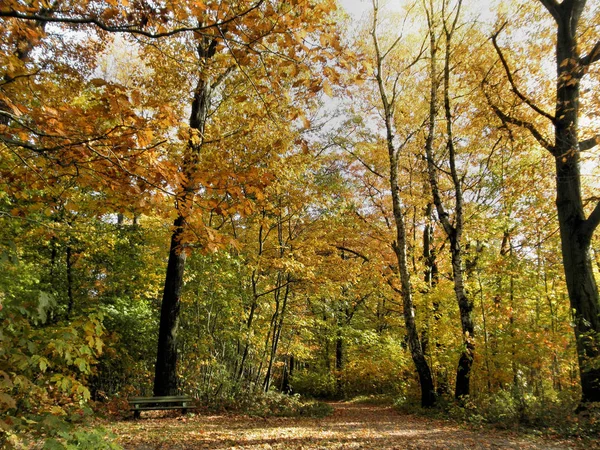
351, 426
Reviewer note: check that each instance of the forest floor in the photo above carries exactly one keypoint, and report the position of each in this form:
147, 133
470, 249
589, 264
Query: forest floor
351, 426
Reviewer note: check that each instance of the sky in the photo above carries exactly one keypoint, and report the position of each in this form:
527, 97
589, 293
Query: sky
357, 8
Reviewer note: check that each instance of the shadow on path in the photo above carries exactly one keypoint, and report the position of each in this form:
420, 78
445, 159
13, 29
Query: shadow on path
351, 426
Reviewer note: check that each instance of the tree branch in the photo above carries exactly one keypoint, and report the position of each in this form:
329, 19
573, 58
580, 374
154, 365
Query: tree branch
553, 8
589, 144
513, 85
505, 118
591, 57
364, 163
91, 20
589, 226
354, 252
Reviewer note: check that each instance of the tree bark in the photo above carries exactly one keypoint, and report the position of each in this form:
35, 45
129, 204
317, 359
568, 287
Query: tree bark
575, 229
165, 378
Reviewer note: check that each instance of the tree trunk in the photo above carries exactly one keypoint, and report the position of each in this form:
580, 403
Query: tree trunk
581, 284
70, 282
575, 230
431, 270
414, 344
166, 381
339, 360
165, 378
400, 244
454, 230
278, 326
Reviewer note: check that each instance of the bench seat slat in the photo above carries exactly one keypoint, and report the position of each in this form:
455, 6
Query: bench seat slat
145, 402
160, 408
158, 399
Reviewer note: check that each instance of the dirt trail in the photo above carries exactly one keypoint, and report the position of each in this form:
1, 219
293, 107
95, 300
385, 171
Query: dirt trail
352, 426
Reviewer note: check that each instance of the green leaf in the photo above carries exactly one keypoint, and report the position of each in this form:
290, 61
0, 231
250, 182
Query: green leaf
53, 444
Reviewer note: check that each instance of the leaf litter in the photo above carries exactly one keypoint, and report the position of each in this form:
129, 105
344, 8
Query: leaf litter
351, 426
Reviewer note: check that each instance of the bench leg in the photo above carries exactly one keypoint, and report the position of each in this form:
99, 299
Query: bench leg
136, 414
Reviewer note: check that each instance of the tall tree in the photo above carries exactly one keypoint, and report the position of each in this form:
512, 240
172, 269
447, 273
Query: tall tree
453, 229
251, 45
576, 227
400, 244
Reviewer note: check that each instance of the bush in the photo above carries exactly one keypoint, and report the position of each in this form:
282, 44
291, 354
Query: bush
510, 409
274, 404
314, 384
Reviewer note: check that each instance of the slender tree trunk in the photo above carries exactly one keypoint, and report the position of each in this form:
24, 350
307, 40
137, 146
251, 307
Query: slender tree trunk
277, 331
429, 256
454, 230
400, 244
70, 282
339, 359
485, 333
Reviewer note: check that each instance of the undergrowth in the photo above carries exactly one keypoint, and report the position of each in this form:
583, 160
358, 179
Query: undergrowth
507, 410
272, 404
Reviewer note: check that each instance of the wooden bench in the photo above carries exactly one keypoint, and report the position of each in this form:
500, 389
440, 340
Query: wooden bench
139, 404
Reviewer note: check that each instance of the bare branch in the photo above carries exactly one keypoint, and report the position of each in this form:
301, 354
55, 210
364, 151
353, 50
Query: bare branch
505, 118
591, 57
589, 144
514, 87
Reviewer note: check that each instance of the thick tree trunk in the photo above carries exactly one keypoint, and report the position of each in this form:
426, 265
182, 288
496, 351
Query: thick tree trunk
575, 230
165, 379
465, 306
581, 284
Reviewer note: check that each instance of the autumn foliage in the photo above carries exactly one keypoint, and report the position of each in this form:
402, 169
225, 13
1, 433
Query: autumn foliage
280, 198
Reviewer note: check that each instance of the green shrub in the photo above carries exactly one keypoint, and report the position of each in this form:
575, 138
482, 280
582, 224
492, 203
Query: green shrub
273, 404
97, 439
314, 384
510, 409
